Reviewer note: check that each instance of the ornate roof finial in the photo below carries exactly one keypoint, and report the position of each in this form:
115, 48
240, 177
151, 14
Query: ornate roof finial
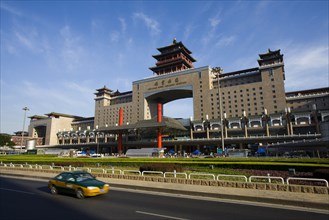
174, 41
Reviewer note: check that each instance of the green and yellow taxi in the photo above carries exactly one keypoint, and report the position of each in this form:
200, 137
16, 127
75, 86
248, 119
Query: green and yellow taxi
80, 183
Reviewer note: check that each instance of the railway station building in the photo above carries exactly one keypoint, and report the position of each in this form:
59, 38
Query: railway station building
244, 108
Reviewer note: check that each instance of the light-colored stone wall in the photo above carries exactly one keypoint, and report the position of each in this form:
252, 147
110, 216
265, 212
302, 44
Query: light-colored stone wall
52, 126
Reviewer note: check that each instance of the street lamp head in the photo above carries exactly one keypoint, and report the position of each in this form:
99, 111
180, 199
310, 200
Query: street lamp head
26, 109
217, 69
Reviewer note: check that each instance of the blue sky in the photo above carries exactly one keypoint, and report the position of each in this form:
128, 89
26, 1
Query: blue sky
55, 54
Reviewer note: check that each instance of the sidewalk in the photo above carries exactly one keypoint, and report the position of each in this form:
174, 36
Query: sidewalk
306, 200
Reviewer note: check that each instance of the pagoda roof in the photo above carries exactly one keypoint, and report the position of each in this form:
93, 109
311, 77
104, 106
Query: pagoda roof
174, 52
270, 52
270, 55
103, 90
117, 93
169, 64
174, 45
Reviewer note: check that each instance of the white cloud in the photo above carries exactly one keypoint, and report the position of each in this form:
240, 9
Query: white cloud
24, 40
188, 30
214, 21
27, 38
306, 67
309, 58
225, 41
210, 35
150, 23
123, 24
66, 97
72, 52
114, 36
10, 9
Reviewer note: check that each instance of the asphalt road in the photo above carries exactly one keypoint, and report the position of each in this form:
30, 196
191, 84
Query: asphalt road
29, 199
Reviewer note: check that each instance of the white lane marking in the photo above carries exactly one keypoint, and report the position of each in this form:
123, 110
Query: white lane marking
158, 215
18, 191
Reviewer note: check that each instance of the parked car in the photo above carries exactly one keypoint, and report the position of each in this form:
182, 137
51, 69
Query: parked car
79, 183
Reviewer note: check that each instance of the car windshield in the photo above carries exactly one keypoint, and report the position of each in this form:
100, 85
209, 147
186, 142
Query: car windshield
83, 176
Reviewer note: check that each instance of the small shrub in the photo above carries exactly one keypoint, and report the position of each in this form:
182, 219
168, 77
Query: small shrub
321, 173
164, 167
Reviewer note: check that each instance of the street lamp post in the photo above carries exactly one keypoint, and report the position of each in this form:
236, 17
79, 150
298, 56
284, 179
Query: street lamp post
219, 70
24, 109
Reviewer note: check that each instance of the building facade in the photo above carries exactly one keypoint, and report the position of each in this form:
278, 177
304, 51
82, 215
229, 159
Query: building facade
245, 92
244, 103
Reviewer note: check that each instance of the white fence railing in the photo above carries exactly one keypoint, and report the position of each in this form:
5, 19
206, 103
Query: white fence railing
174, 174
152, 172
202, 174
131, 171
165, 174
266, 177
113, 171
233, 176
308, 179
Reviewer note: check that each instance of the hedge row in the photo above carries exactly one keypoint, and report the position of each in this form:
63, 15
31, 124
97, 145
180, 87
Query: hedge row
305, 165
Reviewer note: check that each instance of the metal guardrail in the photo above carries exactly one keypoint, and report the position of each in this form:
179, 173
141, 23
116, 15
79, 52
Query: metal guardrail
58, 167
234, 176
42, 167
97, 169
266, 177
174, 174
164, 174
113, 171
202, 174
152, 172
131, 171
308, 179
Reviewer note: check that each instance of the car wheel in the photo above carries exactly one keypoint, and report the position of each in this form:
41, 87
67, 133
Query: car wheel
79, 194
53, 190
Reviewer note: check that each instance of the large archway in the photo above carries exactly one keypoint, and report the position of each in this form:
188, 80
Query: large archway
168, 96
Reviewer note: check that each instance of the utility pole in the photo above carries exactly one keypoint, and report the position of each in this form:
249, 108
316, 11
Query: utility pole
218, 71
24, 109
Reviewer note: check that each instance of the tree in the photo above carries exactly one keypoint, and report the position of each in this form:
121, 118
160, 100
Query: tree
5, 140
